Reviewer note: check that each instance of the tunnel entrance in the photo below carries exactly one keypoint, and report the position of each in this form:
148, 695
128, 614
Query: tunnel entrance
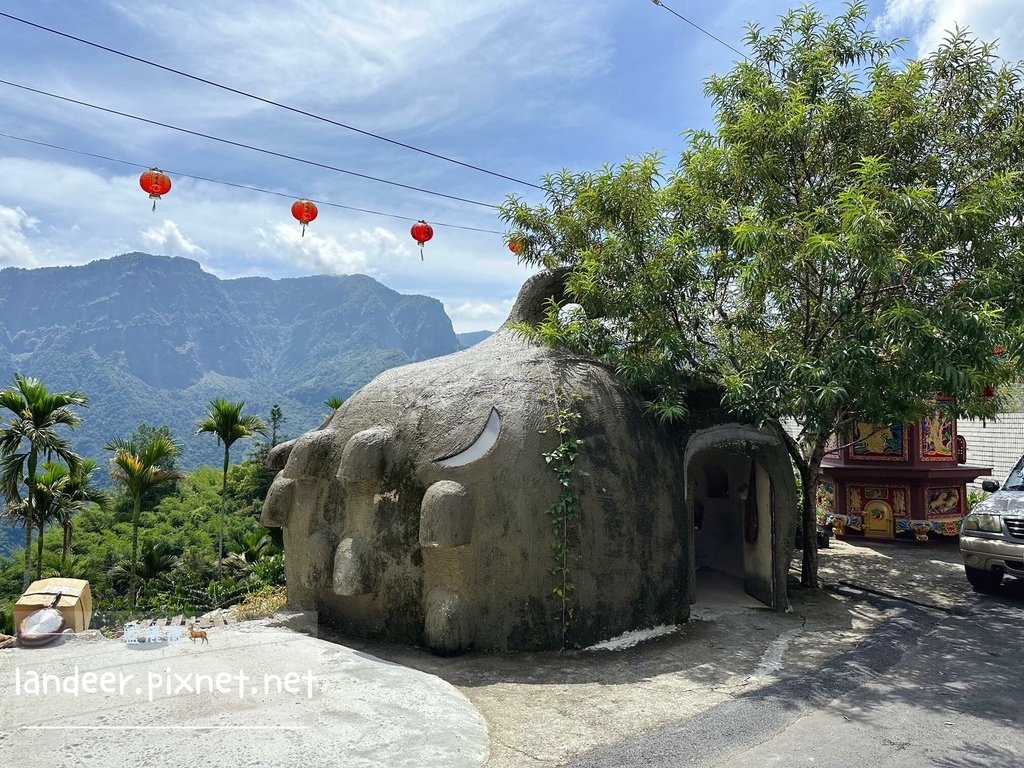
739, 491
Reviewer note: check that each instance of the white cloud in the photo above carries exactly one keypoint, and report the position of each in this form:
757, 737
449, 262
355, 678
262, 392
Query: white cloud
168, 239
475, 314
405, 63
360, 251
929, 21
15, 250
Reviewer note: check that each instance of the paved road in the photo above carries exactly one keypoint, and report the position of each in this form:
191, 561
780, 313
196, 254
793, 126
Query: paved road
925, 689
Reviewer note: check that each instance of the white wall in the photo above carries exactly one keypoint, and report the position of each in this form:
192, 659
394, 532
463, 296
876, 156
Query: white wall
998, 444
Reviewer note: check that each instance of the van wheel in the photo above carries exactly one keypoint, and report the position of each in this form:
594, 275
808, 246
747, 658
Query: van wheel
983, 581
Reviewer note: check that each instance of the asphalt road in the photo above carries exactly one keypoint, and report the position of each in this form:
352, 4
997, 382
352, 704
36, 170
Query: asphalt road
925, 689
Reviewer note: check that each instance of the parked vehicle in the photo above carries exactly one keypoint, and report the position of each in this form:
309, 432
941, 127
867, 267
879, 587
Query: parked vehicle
992, 535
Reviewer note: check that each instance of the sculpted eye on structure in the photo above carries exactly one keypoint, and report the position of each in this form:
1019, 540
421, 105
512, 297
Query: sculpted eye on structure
418, 512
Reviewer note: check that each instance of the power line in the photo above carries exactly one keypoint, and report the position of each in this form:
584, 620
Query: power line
679, 16
246, 146
243, 186
264, 100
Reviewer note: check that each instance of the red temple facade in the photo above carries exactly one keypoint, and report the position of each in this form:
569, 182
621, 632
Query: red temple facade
898, 479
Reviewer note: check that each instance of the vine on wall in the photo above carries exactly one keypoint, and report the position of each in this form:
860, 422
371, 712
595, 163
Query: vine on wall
564, 512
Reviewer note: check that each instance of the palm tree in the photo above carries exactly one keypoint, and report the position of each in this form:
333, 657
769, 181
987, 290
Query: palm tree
157, 560
48, 494
225, 421
136, 465
79, 493
36, 413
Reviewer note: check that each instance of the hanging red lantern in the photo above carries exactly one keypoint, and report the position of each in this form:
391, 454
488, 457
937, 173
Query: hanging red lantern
421, 232
305, 211
515, 244
988, 391
156, 183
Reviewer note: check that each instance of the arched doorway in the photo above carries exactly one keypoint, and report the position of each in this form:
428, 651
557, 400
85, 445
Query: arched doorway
742, 498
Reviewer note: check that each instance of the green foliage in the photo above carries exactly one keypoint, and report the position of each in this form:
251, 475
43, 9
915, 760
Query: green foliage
973, 497
177, 543
564, 512
31, 434
224, 420
843, 245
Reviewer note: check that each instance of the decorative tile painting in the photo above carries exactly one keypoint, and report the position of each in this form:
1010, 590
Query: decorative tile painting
937, 442
943, 503
901, 502
880, 443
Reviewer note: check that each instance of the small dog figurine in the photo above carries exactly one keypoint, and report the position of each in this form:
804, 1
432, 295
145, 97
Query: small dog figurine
197, 634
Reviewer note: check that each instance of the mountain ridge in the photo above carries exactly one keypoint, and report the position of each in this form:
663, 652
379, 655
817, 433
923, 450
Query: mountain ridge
154, 338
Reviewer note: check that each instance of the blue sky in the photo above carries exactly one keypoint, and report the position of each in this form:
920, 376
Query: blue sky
517, 86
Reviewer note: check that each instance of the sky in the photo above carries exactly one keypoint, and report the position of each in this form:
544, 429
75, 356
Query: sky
514, 86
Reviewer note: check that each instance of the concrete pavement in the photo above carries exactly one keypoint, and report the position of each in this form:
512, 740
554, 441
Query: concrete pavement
301, 702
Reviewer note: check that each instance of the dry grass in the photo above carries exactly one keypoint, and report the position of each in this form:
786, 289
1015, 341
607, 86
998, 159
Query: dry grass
262, 604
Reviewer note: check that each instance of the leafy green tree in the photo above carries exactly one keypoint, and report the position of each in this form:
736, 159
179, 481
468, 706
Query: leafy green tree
36, 415
225, 421
842, 246
277, 418
137, 467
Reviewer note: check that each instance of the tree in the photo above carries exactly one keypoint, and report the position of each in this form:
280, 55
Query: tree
78, 493
137, 466
276, 420
48, 495
225, 421
36, 415
843, 246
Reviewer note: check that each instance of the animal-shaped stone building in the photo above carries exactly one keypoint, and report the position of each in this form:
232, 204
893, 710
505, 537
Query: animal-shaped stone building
418, 511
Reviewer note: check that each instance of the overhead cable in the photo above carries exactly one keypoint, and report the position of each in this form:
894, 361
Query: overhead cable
265, 100
242, 145
679, 16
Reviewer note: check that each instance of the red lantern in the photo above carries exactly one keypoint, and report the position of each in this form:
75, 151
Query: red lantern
421, 232
988, 391
156, 183
515, 244
305, 211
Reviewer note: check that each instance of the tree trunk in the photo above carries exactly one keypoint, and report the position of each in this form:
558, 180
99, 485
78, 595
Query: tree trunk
133, 582
39, 551
809, 518
30, 514
26, 576
223, 507
809, 468
67, 546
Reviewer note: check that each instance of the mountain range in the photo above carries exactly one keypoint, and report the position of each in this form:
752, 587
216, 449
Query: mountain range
154, 338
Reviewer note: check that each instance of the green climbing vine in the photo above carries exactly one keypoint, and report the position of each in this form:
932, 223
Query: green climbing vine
564, 512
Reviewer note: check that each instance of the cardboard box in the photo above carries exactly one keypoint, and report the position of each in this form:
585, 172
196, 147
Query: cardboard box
75, 601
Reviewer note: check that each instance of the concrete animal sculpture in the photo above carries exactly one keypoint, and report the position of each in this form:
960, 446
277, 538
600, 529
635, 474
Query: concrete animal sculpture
418, 511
